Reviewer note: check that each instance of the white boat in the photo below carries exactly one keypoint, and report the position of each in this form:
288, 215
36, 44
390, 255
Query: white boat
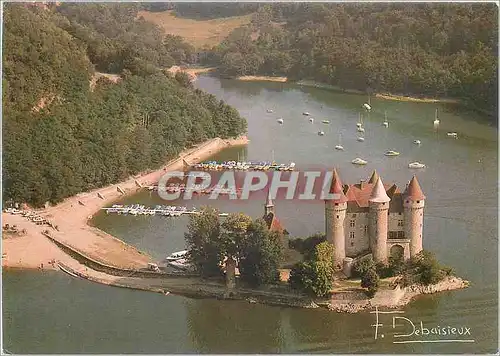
305, 113
177, 255
280, 121
360, 121
416, 165
385, 123
339, 146
417, 142
321, 133
182, 264
223, 214
361, 139
391, 153
325, 121
311, 119
367, 106
361, 129
269, 111
452, 134
359, 161
436, 120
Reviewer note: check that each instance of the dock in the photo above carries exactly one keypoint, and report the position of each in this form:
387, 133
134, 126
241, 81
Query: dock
162, 210
244, 166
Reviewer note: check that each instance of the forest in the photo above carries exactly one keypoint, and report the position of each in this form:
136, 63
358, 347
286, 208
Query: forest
61, 135
437, 50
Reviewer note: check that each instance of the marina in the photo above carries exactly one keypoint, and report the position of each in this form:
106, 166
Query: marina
245, 166
160, 210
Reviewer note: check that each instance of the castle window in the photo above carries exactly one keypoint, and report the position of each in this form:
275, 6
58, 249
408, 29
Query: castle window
352, 244
353, 215
401, 234
366, 229
400, 223
407, 201
352, 223
351, 234
338, 216
336, 204
418, 201
392, 234
399, 213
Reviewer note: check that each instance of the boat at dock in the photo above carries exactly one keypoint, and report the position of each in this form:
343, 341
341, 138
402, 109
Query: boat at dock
177, 255
169, 211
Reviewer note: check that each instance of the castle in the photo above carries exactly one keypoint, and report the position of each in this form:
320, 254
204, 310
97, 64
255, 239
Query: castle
371, 217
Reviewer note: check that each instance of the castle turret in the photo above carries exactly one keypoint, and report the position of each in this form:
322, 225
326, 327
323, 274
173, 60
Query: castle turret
269, 207
413, 203
374, 178
378, 221
335, 212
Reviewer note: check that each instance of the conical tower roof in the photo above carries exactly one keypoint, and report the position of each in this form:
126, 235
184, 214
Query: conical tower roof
379, 194
269, 201
413, 191
373, 178
336, 188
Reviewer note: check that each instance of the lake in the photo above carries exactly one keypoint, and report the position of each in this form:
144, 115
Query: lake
49, 312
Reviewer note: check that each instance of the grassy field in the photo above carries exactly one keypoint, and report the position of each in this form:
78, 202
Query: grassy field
197, 32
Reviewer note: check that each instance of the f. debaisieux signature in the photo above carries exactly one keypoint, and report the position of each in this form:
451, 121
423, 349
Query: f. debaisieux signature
406, 331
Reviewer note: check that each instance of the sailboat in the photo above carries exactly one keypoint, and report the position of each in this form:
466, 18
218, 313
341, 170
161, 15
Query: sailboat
360, 124
360, 121
385, 123
367, 106
436, 120
339, 146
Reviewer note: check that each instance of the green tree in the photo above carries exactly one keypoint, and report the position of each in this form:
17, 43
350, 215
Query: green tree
261, 253
203, 242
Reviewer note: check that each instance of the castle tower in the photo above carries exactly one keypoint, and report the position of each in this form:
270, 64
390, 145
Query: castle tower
413, 203
335, 213
374, 178
378, 221
269, 207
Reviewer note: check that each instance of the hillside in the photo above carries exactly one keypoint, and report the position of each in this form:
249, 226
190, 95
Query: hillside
198, 32
431, 50
62, 136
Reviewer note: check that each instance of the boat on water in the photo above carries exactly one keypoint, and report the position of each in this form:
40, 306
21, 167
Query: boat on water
436, 120
391, 153
452, 134
280, 121
416, 165
339, 146
361, 129
321, 133
269, 111
361, 139
182, 264
311, 119
177, 255
359, 161
367, 105
417, 142
325, 121
305, 113
385, 123
360, 124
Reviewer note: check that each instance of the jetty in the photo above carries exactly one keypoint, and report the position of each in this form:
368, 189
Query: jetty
162, 210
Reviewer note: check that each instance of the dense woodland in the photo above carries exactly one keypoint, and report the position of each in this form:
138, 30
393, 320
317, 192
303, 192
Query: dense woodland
60, 136
438, 50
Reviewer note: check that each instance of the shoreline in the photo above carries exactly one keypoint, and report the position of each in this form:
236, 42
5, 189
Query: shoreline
73, 214
314, 84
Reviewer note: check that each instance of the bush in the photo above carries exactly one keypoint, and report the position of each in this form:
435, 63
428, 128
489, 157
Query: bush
362, 266
306, 246
424, 269
370, 280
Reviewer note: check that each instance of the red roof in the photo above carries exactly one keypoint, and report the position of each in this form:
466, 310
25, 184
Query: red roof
413, 191
273, 224
360, 193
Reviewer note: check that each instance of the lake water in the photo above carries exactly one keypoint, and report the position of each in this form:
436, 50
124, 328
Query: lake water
52, 313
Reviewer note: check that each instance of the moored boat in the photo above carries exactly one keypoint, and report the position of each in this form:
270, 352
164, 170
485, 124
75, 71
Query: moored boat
416, 165
359, 161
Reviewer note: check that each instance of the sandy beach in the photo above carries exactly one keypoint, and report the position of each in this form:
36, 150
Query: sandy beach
71, 217
257, 78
